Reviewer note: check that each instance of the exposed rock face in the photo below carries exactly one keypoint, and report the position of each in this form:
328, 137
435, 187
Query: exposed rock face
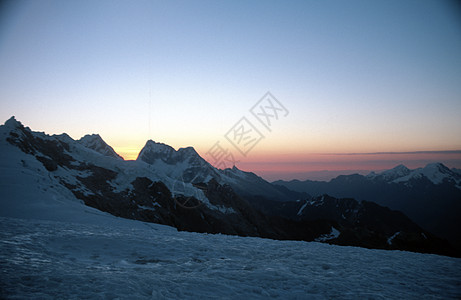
52, 152
429, 196
364, 224
185, 164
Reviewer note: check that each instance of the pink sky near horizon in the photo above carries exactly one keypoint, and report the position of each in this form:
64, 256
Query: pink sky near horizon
344, 164
327, 165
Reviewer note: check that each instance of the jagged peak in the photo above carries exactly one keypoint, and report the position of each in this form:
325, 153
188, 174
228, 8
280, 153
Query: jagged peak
91, 138
92, 135
63, 137
236, 172
188, 150
95, 142
157, 147
12, 123
153, 150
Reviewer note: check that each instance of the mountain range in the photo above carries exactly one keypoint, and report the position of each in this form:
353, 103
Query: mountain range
430, 196
180, 189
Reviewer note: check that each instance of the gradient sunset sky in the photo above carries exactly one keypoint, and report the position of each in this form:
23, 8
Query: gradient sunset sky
367, 84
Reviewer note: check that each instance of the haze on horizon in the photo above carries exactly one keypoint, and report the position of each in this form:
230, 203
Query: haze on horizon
366, 85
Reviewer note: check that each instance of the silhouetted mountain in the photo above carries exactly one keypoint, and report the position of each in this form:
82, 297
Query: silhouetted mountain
364, 224
430, 196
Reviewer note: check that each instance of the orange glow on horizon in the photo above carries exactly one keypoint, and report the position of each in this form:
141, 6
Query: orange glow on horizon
273, 164
128, 153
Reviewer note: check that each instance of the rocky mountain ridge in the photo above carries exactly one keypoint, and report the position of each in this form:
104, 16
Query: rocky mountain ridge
430, 196
180, 189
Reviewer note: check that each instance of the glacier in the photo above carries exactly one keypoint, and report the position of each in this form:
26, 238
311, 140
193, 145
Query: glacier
105, 257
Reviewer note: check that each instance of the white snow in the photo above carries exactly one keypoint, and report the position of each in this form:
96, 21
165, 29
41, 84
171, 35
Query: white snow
300, 211
435, 172
223, 209
316, 202
389, 240
394, 173
149, 207
131, 260
334, 233
96, 143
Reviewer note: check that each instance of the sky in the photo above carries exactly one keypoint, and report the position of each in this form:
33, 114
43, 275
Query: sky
353, 85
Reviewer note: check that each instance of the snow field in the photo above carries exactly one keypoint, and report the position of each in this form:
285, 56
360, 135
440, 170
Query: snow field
132, 260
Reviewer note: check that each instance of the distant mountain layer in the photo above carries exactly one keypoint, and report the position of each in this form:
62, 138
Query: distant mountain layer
430, 196
180, 189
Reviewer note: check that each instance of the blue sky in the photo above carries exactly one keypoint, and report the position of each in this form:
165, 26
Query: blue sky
356, 76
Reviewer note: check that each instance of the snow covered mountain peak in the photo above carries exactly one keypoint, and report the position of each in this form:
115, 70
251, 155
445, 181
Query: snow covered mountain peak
12, 123
401, 169
153, 151
96, 143
437, 167
173, 167
437, 173
392, 174
396, 172
14, 132
188, 151
184, 164
157, 147
93, 136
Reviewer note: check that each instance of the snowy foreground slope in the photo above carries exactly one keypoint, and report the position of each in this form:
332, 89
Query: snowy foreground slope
128, 260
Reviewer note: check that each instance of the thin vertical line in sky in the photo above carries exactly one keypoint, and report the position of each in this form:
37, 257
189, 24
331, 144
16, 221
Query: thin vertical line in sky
149, 112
